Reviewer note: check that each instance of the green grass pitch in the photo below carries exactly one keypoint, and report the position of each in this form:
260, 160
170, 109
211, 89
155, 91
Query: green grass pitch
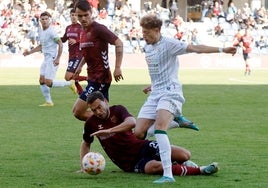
40, 146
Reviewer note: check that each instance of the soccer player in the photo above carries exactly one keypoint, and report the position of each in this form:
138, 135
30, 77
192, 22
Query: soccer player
72, 34
113, 125
246, 44
94, 42
166, 97
51, 47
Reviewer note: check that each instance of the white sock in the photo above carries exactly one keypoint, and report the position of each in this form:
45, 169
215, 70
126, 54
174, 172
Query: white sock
46, 93
150, 131
165, 152
173, 124
60, 83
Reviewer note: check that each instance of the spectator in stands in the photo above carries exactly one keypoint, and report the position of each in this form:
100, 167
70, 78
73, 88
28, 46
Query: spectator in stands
231, 12
178, 21
173, 8
261, 43
178, 35
218, 30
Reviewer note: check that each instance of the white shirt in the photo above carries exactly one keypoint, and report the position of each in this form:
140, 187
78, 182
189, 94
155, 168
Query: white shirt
48, 39
163, 64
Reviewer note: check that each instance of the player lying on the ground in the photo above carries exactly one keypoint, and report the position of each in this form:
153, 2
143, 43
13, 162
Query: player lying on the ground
113, 125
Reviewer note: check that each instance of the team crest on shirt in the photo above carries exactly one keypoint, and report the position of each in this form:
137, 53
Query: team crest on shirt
100, 126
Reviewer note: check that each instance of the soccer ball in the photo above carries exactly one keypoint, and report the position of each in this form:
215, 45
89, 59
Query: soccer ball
93, 163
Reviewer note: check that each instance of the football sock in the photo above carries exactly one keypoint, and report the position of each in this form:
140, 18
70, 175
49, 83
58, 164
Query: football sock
150, 132
165, 152
181, 170
60, 83
173, 124
81, 78
78, 87
46, 93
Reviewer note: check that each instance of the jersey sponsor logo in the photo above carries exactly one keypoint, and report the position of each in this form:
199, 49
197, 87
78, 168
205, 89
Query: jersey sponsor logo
73, 35
86, 44
152, 62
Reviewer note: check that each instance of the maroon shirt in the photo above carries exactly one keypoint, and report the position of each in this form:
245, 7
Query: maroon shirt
246, 41
122, 148
94, 44
73, 31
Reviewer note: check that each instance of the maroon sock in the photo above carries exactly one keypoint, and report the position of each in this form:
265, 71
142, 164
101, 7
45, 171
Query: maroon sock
81, 78
181, 170
79, 88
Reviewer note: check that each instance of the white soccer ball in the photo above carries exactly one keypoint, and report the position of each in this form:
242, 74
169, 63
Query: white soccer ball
93, 163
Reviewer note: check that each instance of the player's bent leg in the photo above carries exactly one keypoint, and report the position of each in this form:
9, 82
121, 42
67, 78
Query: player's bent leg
180, 154
142, 125
68, 76
80, 110
153, 167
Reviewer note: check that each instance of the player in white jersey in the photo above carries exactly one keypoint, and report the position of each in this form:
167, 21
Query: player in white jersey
51, 46
166, 98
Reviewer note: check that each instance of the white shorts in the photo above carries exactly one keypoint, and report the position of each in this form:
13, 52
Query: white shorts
170, 101
47, 69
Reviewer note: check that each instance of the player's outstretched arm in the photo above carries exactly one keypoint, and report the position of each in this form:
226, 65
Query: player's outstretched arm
36, 49
210, 49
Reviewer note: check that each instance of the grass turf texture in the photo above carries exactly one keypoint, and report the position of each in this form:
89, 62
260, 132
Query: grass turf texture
40, 146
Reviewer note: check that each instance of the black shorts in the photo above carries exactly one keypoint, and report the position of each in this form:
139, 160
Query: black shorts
149, 152
73, 64
245, 56
93, 86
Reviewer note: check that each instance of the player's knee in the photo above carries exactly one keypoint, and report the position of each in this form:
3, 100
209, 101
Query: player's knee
68, 78
76, 113
139, 134
153, 167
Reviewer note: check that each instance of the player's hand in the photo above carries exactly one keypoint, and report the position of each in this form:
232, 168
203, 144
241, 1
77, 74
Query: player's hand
118, 74
230, 50
56, 62
147, 89
25, 53
71, 41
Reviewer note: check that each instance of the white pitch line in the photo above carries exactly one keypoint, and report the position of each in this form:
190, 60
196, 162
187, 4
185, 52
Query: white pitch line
247, 81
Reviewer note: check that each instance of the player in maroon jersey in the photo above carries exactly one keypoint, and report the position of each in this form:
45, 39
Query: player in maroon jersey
246, 44
94, 41
113, 125
72, 35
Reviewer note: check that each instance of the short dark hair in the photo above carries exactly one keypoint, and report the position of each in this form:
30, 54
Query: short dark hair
72, 11
151, 21
83, 5
94, 96
46, 13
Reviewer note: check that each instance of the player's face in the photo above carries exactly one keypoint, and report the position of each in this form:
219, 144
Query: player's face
73, 18
100, 109
45, 21
84, 17
150, 35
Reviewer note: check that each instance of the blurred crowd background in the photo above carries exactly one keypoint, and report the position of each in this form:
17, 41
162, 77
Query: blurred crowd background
213, 24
